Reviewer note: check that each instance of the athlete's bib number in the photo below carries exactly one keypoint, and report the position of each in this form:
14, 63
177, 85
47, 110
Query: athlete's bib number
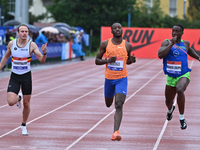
117, 65
174, 67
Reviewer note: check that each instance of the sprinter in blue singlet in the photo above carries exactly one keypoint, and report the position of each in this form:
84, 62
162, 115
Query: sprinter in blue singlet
175, 65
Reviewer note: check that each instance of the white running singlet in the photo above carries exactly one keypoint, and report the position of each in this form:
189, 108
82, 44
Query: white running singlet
21, 58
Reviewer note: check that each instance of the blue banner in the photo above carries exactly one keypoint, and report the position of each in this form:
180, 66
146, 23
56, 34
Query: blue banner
3, 50
53, 50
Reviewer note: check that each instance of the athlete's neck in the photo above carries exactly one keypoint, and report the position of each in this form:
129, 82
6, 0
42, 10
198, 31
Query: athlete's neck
116, 40
22, 42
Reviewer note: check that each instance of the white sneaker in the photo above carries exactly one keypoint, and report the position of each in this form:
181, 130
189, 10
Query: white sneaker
24, 130
19, 105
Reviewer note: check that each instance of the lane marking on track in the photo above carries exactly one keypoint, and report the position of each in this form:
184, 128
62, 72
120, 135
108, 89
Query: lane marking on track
58, 87
53, 110
66, 103
81, 137
74, 81
51, 76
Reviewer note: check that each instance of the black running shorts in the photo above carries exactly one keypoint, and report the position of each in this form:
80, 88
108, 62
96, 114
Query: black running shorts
24, 81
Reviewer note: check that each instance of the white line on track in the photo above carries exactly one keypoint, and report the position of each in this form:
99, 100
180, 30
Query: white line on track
66, 103
70, 82
81, 137
49, 76
53, 110
58, 87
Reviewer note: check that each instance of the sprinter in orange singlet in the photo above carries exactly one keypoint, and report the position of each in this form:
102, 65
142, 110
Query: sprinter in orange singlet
117, 55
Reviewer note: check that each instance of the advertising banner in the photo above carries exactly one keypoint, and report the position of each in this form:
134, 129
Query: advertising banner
146, 41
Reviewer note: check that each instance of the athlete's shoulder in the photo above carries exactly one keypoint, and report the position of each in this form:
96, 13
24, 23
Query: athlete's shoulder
104, 43
128, 43
10, 43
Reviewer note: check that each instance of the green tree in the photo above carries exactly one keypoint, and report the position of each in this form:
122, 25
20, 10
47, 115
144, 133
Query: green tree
194, 10
91, 14
147, 16
7, 16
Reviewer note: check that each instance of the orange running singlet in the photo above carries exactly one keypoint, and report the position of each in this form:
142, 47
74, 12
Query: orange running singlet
118, 69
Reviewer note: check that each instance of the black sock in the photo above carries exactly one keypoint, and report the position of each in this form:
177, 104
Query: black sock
23, 124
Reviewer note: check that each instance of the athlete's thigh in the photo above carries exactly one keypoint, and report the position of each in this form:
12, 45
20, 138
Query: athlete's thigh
14, 84
27, 84
109, 88
120, 98
182, 83
121, 86
170, 92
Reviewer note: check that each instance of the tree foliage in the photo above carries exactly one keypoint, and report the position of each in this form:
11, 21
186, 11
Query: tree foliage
91, 14
194, 10
7, 16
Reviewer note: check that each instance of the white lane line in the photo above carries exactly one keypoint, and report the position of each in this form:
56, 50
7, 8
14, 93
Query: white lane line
57, 87
81, 137
49, 76
63, 105
74, 81
53, 110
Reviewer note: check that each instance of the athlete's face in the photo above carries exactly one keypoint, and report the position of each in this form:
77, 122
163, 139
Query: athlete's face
177, 31
23, 32
117, 30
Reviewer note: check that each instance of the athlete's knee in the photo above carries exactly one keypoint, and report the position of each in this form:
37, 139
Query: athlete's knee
119, 105
12, 100
180, 91
169, 102
11, 103
108, 104
108, 101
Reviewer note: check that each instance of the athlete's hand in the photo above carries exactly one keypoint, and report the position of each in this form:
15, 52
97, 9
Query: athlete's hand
132, 59
44, 48
173, 40
112, 59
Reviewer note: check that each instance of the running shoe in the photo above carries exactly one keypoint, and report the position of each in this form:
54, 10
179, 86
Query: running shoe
19, 101
116, 136
24, 130
183, 124
169, 115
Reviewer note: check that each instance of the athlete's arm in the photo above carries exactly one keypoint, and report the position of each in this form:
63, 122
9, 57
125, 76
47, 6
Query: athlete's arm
131, 59
164, 49
6, 56
39, 56
190, 50
102, 50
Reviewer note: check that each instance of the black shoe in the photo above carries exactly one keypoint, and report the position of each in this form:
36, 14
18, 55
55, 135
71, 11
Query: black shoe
82, 58
169, 115
183, 124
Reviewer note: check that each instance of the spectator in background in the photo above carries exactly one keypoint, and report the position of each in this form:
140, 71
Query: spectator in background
1, 40
80, 39
76, 46
8, 34
42, 38
13, 36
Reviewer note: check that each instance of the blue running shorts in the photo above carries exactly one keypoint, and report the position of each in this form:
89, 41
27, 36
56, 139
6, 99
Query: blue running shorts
111, 87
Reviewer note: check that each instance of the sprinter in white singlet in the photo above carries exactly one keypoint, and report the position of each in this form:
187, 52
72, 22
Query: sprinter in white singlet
21, 50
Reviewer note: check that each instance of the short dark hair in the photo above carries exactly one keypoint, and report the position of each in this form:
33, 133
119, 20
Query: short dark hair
180, 26
22, 25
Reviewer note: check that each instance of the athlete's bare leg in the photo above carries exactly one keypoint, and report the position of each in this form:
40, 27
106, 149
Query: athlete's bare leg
26, 109
12, 98
119, 101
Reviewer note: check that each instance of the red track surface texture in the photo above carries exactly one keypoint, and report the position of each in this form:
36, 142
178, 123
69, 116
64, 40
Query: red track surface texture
68, 111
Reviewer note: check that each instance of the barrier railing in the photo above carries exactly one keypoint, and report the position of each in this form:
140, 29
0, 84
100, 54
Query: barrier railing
54, 50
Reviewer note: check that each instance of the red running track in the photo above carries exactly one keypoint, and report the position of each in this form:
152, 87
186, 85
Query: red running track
68, 111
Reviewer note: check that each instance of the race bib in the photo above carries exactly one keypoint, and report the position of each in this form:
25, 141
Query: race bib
174, 67
117, 65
